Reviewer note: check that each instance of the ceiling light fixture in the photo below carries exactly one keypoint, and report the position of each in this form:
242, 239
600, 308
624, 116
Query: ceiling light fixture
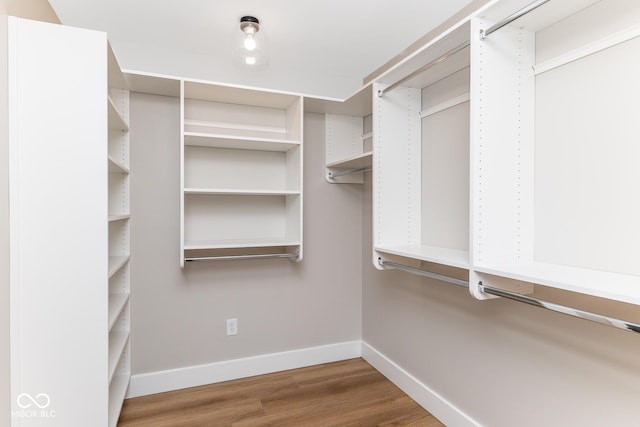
251, 51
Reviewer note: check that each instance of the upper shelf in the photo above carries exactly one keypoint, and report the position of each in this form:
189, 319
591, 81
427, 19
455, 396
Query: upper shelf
116, 121
238, 142
363, 160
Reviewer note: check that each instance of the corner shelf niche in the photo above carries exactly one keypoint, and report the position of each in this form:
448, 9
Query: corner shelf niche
119, 210
555, 194
421, 158
241, 172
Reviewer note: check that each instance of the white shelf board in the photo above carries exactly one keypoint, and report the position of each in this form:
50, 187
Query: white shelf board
238, 142
236, 192
116, 304
358, 104
239, 243
113, 218
116, 263
117, 393
117, 342
116, 121
116, 166
444, 256
360, 161
603, 284
209, 91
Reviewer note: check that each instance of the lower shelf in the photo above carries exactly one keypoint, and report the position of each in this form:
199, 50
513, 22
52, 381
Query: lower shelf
437, 255
603, 284
242, 249
117, 392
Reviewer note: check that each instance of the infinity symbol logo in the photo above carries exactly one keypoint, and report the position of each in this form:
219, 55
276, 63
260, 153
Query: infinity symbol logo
41, 400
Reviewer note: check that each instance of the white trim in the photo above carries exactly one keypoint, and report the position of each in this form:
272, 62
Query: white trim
430, 400
192, 376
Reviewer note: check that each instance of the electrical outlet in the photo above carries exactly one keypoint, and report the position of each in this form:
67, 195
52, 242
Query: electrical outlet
232, 327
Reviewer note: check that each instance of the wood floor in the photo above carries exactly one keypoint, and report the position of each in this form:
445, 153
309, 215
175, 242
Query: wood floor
347, 393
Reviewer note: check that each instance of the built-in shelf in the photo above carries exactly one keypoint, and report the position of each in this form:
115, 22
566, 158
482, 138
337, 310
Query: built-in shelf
117, 391
116, 303
116, 263
359, 161
114, 218
235, 192
117, 342
238, 142
444, 256
116, 166
116, 121
239, 243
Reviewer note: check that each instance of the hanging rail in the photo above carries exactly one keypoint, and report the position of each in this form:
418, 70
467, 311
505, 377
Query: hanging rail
424, 273
333, 175
509, 19
436, 61
239, 257
598, 318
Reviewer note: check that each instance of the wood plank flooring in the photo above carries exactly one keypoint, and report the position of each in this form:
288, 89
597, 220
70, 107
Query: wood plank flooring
347, 393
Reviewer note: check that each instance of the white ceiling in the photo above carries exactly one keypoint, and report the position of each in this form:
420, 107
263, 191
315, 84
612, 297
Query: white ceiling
317, 47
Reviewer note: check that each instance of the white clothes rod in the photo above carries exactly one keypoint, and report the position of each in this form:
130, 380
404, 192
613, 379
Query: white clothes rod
598, 318
241, 257
509, 19
424, 68
588, 49
424, 273
445, 105
333, 175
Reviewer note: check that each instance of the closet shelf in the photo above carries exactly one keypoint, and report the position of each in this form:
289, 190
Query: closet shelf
116, 121
238, 192
238, 142
239, 243
117, 342
603, 284
117, 392
116, 263
117, 167
114, 218
360, 161
116, 303
444, 256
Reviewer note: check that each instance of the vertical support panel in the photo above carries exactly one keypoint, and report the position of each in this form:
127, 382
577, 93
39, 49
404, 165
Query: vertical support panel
58, 278
182, 235
397, 167
502, 148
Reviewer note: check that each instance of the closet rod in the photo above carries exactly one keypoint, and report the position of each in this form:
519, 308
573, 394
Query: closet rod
239, 257
436, 61
424, 273
598, 318
349, 171
509, 19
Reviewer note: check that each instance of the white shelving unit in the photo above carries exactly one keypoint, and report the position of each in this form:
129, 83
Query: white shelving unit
241, 179
119, 224
70, 309
555, 193
421, 157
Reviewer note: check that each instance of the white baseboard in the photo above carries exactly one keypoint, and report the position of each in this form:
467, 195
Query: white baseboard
438, 406
192, 376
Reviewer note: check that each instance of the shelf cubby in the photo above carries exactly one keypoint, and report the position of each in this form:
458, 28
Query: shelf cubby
555, 197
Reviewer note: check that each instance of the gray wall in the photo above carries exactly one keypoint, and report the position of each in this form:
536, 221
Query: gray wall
503, 363
178, 315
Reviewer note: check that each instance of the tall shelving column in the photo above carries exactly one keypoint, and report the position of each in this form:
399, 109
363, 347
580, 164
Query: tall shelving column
119, 219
